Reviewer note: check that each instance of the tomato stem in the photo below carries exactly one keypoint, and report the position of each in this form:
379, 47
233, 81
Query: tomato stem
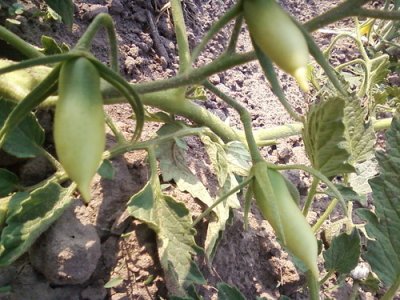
313, 286
244, 117
181, 36
325, 215
14, 40
235, 35
310, 196
224, 197
106, 21
269, 72
391, 292
215, 28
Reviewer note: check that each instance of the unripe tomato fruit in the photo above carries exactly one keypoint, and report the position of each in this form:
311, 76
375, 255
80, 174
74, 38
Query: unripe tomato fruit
79, 126
275, 33
284, 215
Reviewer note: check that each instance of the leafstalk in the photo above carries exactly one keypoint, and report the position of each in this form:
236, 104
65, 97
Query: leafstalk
215, 28
181, 36
313, 286
244, 117
14, 40
101, 20
391, 292
310, 196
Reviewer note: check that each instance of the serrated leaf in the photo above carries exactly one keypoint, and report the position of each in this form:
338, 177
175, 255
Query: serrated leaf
364, 171
222, 212
347, 192
24, 141
344, 252
106, 170
113, 282
383, 253
65, 8
218, 158
50, 46
175, 236
359, 134
173, 166
324, 138
227, 292
8, 182
238, 157
29, 215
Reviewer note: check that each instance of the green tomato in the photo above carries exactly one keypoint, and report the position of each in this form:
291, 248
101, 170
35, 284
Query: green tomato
277, 206
275, 33
79, 126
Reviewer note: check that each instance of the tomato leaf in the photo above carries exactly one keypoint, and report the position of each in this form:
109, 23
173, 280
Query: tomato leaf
223, 214
106, 170
344, 252
65, 8
238, 157
227, 292
324, 138
358, 132
8, 182
364, 171
175, 236
348, 193
26, 139
29, 215
113, 282
218, 158
384, 225
50, 46
171, 155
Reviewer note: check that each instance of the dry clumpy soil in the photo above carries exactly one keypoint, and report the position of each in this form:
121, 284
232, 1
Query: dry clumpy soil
84, 249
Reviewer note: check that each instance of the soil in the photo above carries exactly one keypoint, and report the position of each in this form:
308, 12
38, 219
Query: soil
251, 260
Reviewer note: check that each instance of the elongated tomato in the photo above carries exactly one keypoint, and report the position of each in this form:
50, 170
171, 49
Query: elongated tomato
277, 206
278, 37
79, 127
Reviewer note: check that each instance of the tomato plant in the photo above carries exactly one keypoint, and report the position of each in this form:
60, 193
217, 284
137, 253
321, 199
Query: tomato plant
338, 132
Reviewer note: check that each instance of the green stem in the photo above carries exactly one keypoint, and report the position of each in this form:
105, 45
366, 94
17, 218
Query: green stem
152, 158
117, 133
127, 91
310, 196
378, 14
343, 10
196, 76
269, 72
316, 52
224, 197
325, 215
391, 292
106, 21
51, 159
37, 61
317, 174
131, 146
215, 28
354, 290
181, 36
326, 277
14, 40
244, 117
313, 286
167, 101
235, 35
